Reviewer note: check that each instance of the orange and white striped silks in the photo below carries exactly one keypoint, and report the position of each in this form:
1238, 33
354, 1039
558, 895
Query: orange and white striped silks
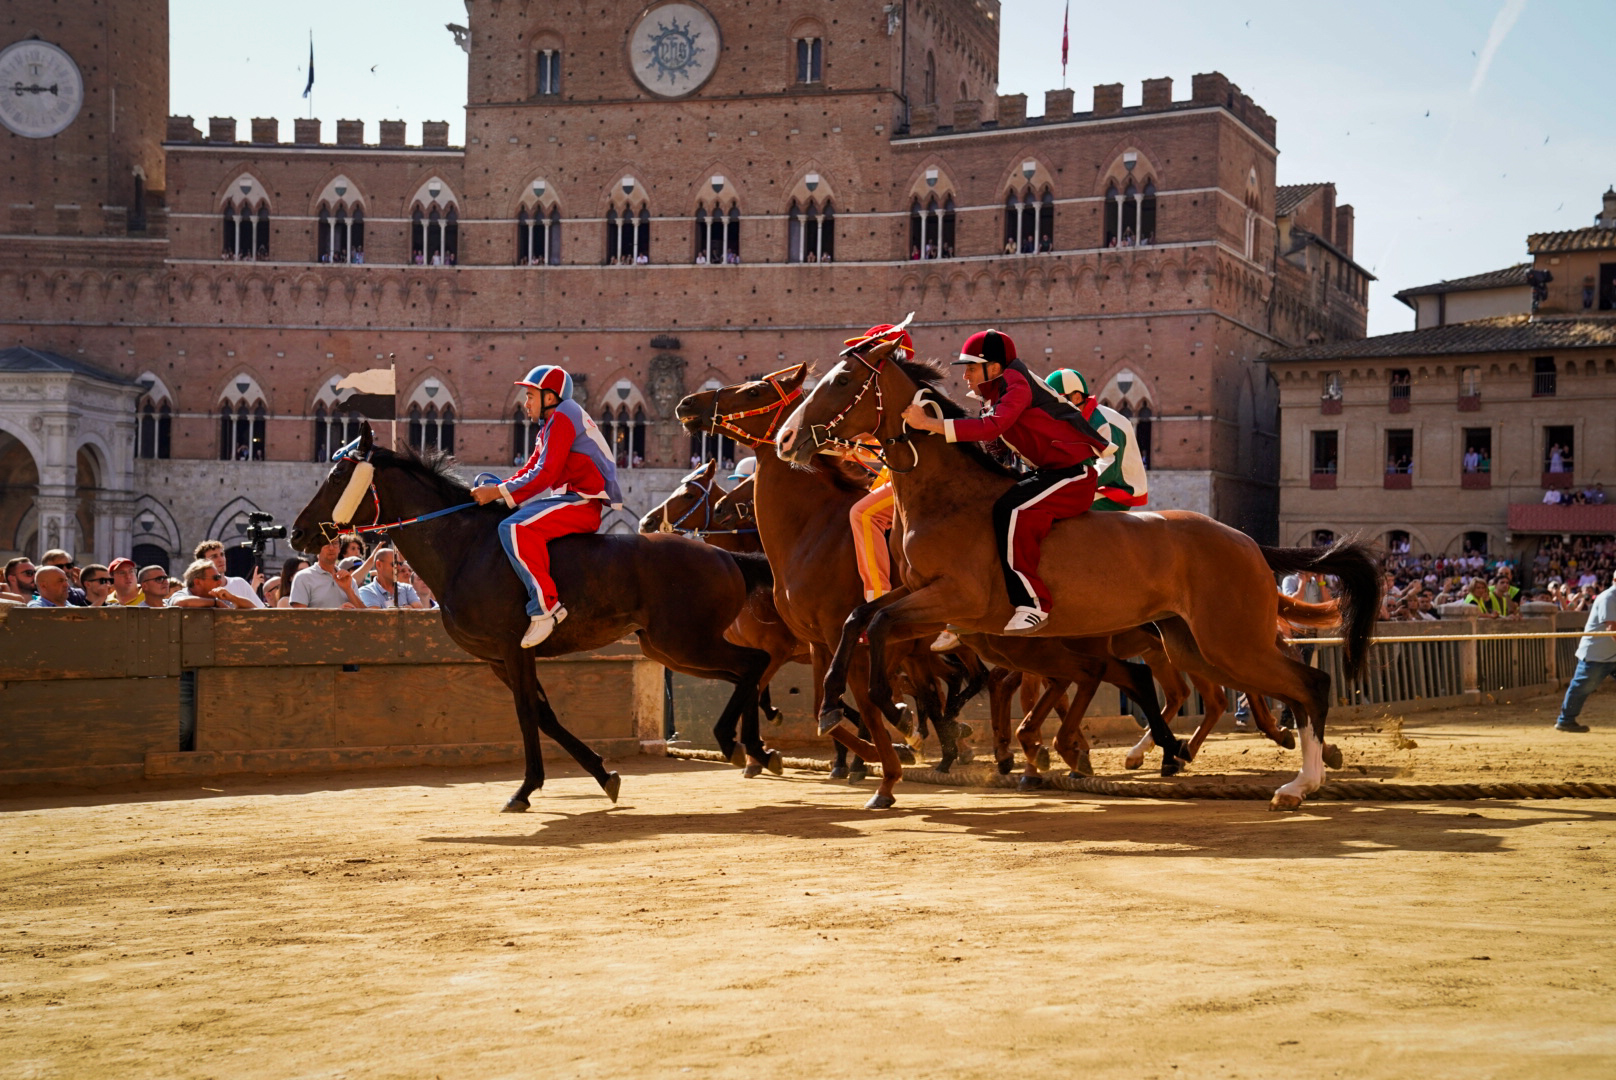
871, 517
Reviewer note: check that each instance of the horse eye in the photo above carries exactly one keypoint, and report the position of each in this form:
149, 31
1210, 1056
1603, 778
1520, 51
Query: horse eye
841, 380
752, 392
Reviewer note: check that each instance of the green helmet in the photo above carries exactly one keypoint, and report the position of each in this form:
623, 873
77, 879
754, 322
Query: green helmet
1068, 381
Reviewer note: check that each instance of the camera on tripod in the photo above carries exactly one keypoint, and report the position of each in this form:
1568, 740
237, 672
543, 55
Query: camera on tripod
260, 532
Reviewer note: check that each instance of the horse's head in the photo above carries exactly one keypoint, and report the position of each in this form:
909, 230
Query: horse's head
847, 405
342, 497
750, 412
735, 510
690, 507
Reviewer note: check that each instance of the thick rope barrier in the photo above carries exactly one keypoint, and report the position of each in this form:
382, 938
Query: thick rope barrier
1333, 790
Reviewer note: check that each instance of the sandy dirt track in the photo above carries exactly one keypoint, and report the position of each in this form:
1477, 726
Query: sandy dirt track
393, 924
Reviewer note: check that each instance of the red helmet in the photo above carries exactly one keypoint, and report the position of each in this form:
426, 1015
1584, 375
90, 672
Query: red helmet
987, 347
880, 331
551, 378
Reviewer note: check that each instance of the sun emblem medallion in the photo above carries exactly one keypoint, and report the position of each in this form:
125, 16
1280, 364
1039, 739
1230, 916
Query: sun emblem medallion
673, 49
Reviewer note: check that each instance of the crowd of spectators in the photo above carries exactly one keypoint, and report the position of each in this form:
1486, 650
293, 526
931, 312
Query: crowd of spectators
1568, 575
343, 575
1588, 496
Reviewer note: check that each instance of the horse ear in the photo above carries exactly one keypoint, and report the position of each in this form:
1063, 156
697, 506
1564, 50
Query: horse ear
709, 470
366, 439
791, 377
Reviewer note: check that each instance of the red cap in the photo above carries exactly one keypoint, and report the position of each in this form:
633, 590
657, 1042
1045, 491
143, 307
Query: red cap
113, 568
987, 347
880, 331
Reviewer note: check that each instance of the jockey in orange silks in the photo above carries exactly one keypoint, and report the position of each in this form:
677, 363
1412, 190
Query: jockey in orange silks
871, 516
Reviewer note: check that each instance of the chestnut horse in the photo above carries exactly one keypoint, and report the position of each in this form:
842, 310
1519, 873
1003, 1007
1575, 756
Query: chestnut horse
677, 595
1108, 572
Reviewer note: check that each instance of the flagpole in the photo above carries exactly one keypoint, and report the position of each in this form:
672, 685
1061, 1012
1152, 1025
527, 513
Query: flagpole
1066, 32
392, 365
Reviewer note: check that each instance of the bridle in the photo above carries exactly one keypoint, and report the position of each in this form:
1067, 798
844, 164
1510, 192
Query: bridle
820, 436
705, 501
721, 422
363, 478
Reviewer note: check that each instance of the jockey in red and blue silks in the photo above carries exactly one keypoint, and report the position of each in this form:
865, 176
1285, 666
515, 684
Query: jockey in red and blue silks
562, 488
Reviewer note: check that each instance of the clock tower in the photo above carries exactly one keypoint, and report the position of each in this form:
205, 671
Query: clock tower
82, 115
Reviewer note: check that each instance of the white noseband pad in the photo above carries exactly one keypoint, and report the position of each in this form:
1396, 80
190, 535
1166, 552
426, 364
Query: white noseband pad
358, 484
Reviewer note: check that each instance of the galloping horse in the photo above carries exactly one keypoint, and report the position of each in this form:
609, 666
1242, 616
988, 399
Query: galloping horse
679, 596
1207, 587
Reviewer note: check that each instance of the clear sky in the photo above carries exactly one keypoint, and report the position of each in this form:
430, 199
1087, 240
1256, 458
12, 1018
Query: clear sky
1454, 127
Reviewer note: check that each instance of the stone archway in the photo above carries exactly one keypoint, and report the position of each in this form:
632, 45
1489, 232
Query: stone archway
19, 487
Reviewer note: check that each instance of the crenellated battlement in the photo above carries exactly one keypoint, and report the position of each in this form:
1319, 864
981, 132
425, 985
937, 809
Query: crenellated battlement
265, 131
1206, 89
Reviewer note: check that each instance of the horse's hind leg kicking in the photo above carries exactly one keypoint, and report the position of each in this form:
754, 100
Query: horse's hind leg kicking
535, 716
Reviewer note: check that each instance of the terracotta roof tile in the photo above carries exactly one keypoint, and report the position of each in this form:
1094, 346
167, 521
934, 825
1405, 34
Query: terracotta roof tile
1504, 333
1492, 279
1287, 197
1593, 238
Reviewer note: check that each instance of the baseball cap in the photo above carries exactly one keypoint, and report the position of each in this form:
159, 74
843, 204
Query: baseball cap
118, 564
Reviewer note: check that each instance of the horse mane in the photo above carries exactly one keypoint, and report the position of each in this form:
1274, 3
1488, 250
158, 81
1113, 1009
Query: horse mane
436, 468
932, 375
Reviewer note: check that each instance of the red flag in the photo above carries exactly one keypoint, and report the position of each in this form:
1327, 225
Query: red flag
1066, 38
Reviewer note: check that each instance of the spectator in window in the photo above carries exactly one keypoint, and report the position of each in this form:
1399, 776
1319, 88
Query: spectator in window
52, 583
325, 584
213, 551
1048, 244
19, 580
289, 570
914, 254
1551, 497
96, 581
385, 590
125, 586
63, 561
204, 587
153, 586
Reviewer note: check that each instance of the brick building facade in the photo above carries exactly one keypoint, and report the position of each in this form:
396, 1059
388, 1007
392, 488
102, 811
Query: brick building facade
657, 202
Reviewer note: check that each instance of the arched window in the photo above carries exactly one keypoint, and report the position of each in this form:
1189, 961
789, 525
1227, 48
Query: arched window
1253, 205
549, 72
154, 428
1029, 224
246, 230
628, 231
718, 233
538, 235
242, 420
334, 428
1130, 213
811, 232
928, 93
1147, 213
810, 59
931, 229
432, 428
1142, 430
434, 226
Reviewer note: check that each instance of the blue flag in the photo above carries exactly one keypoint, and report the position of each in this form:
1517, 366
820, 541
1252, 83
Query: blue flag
310, 85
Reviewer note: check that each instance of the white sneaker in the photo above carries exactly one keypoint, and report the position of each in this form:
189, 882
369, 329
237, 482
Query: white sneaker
541, 626
1025, 621
947, 641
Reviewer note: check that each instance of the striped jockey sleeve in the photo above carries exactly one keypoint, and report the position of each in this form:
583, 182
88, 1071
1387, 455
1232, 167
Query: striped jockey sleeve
556, 444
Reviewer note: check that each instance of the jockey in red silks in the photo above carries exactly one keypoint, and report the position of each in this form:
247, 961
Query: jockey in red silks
562, 488
1048, 434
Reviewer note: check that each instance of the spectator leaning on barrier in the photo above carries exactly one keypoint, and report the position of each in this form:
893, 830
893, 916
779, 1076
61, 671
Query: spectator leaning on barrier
213, 551
385, 590
63, 561
52, 584
96, 581
153, 586
1596, 658
205, 588
19, 580
325, 585
125, 584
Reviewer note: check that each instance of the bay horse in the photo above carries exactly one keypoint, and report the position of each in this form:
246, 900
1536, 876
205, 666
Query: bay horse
677, 595
1207, 586
802, 521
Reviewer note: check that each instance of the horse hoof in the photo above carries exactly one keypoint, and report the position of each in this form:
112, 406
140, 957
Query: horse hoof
737, 758
1005, 765
1332, 756
1285, 801
1084, 767
839, 772
963, 731
829, 719
905, 755
878, 801
612, 786
947, 762
965, 755
1287, 738
776, 763
515, 806
906, 720
858, 774
773, 714
1029, 783
752, 771
1131, 762
1042, 759
1172, 765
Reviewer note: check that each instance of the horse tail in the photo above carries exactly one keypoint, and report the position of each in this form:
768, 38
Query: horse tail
1354, 564
755, 568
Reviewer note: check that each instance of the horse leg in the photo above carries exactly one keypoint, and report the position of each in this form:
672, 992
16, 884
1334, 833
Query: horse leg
523, 691
1002, 684
1029, 733
1214, 702
837, 675
609, 782
880, 694
1135, 678
766, 704
1070, 742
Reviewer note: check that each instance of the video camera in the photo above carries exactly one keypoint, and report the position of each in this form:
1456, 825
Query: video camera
260, 532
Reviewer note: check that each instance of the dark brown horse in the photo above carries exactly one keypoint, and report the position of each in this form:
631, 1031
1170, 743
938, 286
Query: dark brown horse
1209, 588
677, 595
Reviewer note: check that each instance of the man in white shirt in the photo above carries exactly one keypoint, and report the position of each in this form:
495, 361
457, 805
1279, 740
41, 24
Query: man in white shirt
1596, 658
213, 551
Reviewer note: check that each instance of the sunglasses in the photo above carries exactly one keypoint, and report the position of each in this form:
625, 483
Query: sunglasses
98, 581
149, 580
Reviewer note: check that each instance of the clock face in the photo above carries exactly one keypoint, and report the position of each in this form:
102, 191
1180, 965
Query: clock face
41, 89
673, 49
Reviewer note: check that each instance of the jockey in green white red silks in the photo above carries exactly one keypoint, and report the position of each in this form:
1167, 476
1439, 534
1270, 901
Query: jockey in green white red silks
562, 488
1123, 484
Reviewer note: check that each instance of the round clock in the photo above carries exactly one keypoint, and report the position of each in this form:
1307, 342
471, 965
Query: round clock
673, 49
41, 89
